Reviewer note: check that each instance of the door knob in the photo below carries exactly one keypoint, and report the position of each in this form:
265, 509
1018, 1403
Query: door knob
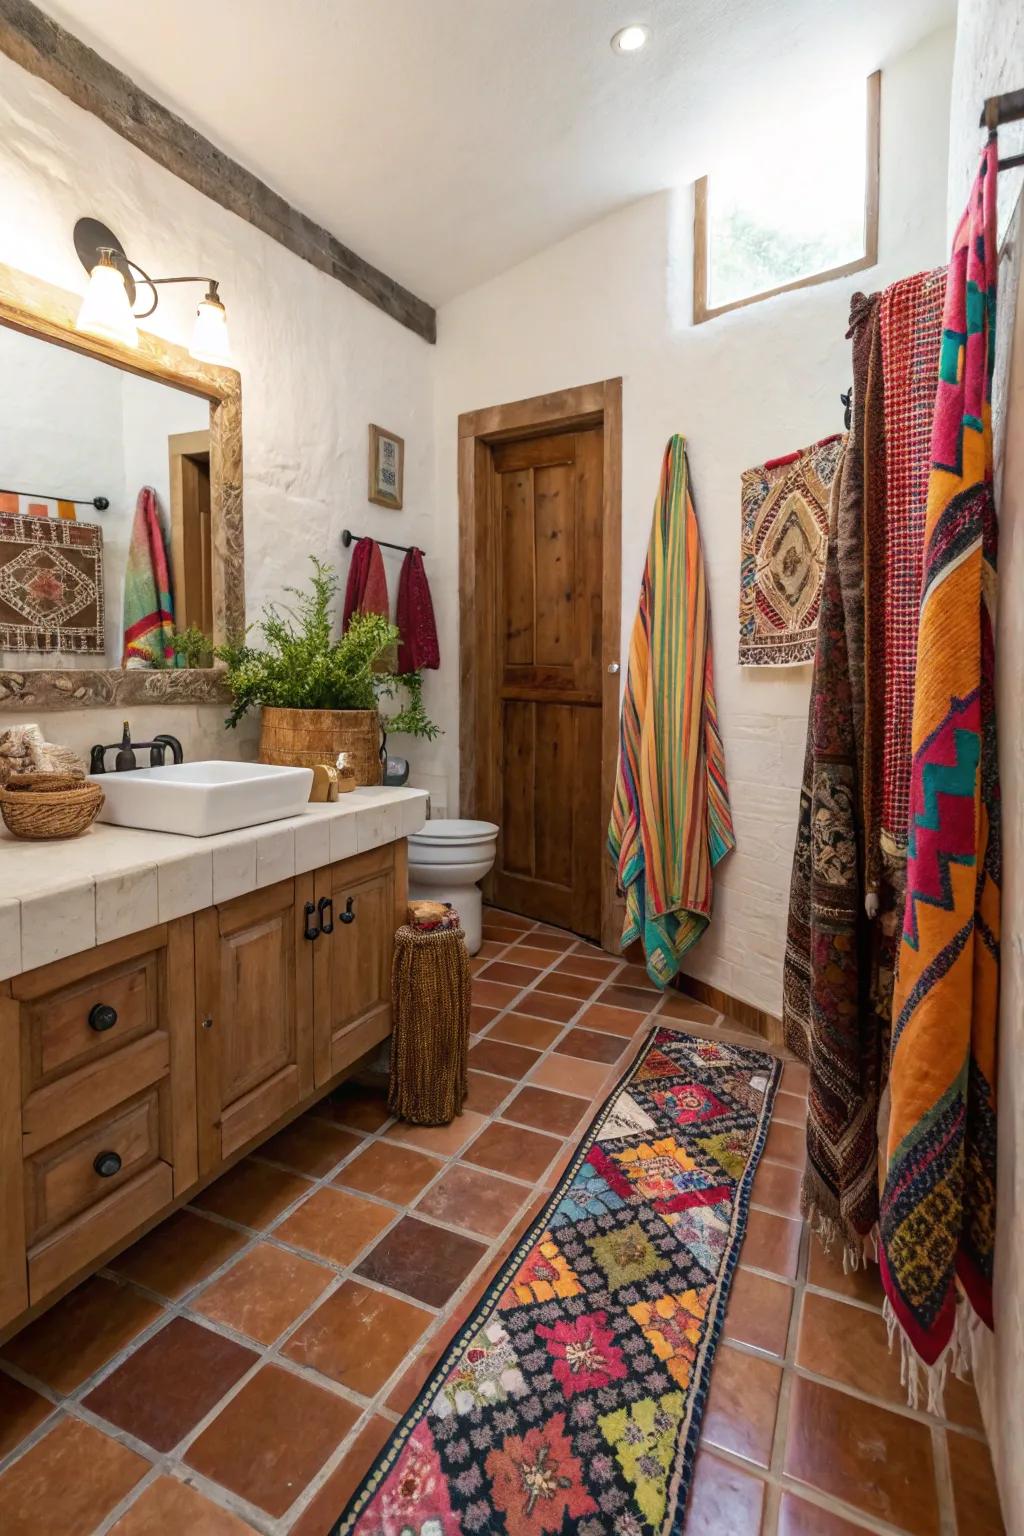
613, 667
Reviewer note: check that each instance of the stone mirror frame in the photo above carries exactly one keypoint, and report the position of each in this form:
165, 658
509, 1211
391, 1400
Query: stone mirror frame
37, 308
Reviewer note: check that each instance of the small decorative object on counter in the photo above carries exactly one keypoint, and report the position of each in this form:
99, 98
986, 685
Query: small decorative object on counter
23, 750
346, 775
430, 986
325, 783
35, 810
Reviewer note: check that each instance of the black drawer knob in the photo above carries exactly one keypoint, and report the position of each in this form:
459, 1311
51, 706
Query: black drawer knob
348, 916
101, 1017
107, 1164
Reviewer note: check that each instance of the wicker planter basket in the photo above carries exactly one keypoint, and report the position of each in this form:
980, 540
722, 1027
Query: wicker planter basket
301, 738
37, 814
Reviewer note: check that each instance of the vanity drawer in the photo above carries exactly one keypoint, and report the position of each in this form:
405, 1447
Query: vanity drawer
84, 1168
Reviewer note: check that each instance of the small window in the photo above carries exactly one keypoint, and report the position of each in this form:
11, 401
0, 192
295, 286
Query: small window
782, 219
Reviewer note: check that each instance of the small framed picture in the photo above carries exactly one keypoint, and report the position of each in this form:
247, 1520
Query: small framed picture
387, 467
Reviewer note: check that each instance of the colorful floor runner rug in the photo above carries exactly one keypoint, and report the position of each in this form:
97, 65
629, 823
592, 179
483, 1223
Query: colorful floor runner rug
571, 1401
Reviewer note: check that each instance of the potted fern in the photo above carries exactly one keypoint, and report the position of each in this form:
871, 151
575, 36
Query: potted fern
319, 693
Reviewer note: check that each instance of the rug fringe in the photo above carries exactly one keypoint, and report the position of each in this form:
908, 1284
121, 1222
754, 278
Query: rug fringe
858, 1251
913, 1371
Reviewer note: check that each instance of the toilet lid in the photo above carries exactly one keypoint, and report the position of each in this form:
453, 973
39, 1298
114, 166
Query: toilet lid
445, 831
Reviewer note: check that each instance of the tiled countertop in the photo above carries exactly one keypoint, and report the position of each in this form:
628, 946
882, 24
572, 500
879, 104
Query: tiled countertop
59, 898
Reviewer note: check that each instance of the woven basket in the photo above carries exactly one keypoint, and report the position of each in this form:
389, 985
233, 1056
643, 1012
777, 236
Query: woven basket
35, 814
45, 782
302, 738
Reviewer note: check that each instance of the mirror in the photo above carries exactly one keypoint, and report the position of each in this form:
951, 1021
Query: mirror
120, 511
82, 586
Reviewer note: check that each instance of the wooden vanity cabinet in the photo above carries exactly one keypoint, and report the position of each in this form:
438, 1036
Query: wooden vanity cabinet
254, 1041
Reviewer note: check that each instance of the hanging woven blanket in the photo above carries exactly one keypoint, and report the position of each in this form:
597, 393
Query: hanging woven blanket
938, 1203
784, 506
670, 822
51, 585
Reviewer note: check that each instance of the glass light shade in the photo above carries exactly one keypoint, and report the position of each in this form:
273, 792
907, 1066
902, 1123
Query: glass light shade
106, 310
210, 338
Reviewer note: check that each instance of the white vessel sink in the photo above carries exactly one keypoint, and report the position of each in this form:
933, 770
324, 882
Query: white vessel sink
198, 799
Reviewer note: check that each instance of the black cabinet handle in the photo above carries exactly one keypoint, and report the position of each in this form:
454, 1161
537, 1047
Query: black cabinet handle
310, 931
102, 1017
107, 1164
326, 904
348, 916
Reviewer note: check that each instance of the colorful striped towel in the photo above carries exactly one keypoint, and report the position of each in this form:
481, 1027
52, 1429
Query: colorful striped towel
148, 606
670, 821
939, 1201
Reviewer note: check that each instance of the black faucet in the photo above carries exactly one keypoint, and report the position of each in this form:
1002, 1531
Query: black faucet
125, 759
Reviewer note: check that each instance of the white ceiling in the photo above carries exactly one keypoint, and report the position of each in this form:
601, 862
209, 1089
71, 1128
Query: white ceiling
447, 140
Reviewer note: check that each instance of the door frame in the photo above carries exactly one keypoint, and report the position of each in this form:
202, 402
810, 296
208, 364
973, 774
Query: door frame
589, 405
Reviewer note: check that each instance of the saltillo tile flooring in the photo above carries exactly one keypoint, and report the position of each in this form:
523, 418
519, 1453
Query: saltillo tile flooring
238, 1369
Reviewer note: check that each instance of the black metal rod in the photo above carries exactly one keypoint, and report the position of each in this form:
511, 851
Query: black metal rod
1010, 162
101, 503
348, 538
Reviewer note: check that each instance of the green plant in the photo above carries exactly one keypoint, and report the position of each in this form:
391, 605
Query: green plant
192, 645
302, 666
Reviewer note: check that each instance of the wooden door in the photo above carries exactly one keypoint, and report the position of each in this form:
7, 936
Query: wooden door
254, 981
360, 903
191, 536
546, 539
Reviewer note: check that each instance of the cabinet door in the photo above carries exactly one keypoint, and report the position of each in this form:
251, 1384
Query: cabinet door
253, 995
352, 962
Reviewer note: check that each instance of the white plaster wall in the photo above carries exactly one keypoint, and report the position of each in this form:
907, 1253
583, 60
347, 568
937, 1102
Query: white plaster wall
317, 365
615, 299
990, 60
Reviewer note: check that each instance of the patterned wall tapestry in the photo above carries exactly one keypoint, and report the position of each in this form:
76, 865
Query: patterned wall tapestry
782, 553
51, 585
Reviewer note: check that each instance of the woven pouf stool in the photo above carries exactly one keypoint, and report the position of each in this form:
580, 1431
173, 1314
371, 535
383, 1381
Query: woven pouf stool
430, 991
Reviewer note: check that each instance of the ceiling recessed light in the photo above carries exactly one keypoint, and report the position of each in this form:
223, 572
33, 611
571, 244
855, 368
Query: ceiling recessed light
629, 39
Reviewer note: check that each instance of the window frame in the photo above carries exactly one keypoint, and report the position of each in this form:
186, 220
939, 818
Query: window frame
703, 311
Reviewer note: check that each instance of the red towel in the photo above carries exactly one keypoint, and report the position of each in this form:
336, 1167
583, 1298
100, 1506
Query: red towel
417, 645
367, 589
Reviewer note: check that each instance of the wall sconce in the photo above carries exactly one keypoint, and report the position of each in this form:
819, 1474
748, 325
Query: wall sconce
108, 307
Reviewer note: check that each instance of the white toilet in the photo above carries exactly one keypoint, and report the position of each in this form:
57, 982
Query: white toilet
446, 860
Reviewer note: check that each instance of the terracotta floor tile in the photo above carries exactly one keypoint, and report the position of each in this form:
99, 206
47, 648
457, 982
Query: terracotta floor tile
611, 1021
723, 1501
569, 1074
772, 1243
593, 967
777, 1187
486, 1092
263, 1292
319, 1516
565, 985
479, 1018
425, 1262
636, 976
545, 1110
790, 1107
167, 1507
786, 1144
252, 1447
517, 976
962, 1406
352, 1104
442, 1140
524, 953
21, 1411
502, 1059
358, 1337
310, 1146
547, 1005
334, 1224
493, 994
508, 1149
519, 1029
877, 1461
759, 1311
826, 1270
850, 1345
390, 1172
634, 998
171, 1382
541, 938
677, 1006
67, 1483
182, 1251
509, 919
741, 1406
467, 1197
797, 1517
497, 933
795, 1078
81, 1333
253, 1194
489, 949
975, 1494
591, 1045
